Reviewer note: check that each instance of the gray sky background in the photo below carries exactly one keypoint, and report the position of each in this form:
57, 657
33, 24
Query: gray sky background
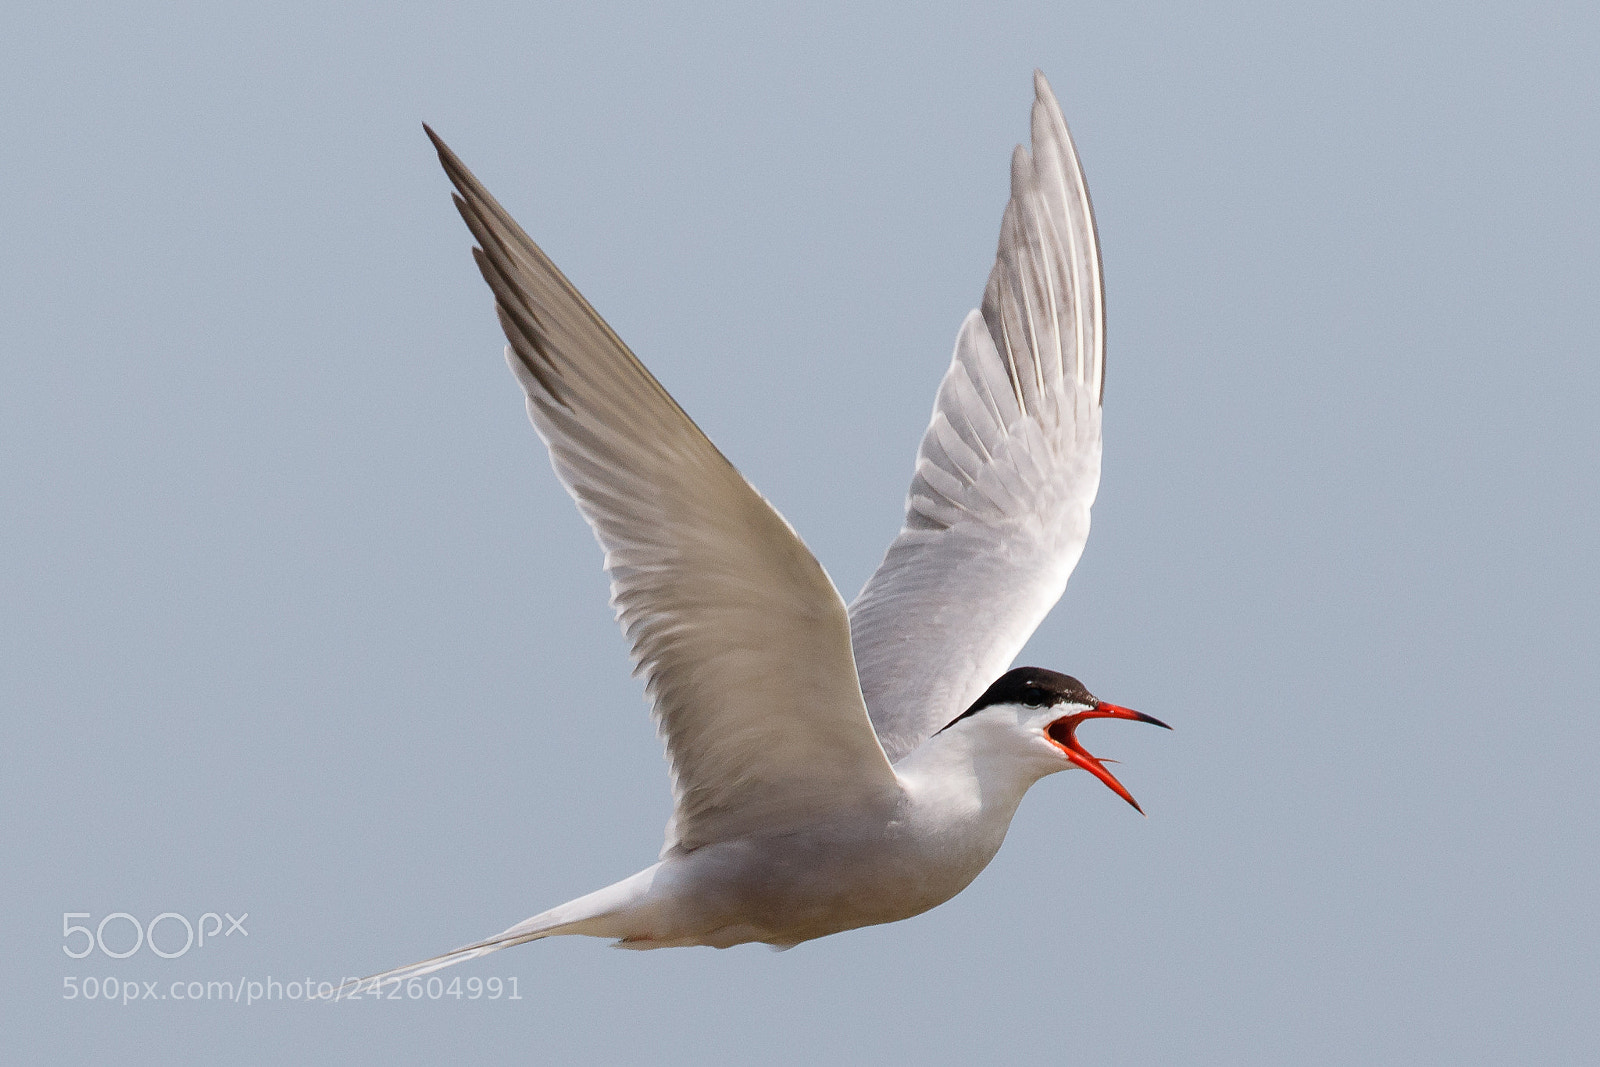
297, 622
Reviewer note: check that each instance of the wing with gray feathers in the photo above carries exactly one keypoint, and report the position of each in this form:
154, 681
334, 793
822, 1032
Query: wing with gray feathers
740, 635
998, 511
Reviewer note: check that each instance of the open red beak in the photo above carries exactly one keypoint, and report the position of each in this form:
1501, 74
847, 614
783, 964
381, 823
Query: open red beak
1063, 732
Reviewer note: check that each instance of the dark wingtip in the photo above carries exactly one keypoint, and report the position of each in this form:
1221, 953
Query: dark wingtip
446, 156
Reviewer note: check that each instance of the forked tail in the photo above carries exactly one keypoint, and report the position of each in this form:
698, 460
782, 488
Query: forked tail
375, 984
598, 914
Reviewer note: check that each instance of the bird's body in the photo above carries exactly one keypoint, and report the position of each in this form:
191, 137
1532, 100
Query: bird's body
832, 767
851, 867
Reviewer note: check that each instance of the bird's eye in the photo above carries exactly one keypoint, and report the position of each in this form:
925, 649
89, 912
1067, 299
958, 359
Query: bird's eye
1032, 698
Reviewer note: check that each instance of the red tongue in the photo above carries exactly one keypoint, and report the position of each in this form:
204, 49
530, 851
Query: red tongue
1064, 733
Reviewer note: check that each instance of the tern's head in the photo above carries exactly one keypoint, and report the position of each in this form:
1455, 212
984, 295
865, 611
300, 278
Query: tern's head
1041, 710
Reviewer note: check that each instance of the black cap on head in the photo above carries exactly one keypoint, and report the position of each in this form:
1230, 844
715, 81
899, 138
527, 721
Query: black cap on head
1030, 687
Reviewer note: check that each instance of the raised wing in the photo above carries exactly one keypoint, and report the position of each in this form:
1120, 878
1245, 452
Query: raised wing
998, 511
742, 639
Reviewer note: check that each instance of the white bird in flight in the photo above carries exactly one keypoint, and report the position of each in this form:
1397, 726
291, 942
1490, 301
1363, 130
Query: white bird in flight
831, 768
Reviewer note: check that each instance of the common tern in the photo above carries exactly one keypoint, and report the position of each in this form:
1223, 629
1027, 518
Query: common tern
831, 767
